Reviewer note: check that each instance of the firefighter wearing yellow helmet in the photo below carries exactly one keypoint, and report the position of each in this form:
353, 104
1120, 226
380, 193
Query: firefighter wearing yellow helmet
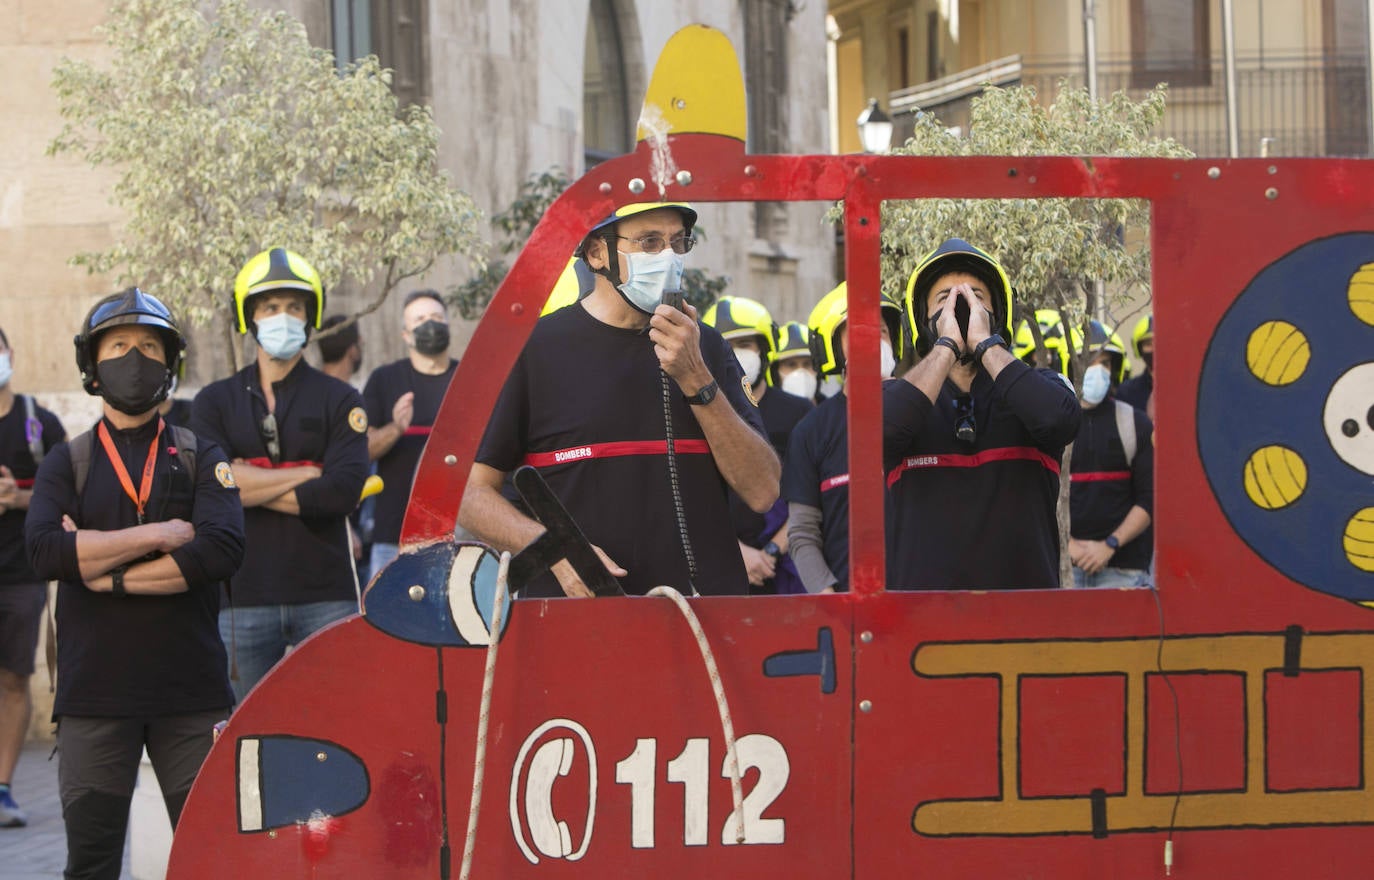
1139, 391
972, 437
749, 329
790, 366
815, 480
637, 418
297, 439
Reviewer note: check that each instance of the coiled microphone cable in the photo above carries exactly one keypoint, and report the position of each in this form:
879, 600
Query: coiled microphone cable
674, 485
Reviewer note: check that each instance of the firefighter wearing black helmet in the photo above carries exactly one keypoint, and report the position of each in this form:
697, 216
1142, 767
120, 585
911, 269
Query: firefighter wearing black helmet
972, 437
139, 522
591, 402
298, 442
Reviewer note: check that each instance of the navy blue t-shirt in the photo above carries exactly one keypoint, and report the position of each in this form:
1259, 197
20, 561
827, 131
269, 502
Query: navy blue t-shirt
15, 455
584, 403
816, 473
397, 468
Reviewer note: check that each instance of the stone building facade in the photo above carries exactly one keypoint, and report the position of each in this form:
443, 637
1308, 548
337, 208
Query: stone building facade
517, 87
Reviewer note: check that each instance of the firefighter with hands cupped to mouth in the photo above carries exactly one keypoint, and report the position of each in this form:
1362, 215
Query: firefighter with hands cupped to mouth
592, 401
140, 523
972, 437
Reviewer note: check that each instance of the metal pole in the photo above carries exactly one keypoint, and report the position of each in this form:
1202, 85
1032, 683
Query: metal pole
1228, 45
1090, 45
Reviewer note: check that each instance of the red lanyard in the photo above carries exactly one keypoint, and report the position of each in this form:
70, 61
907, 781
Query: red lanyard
146, 485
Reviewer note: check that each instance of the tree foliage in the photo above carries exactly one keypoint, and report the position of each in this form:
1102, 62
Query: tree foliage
1052, 248
231, 133
516, 224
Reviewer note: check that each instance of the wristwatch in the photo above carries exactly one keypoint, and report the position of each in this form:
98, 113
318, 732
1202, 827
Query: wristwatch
994, 339
1112, 542
117, 580
772, 550
704, 396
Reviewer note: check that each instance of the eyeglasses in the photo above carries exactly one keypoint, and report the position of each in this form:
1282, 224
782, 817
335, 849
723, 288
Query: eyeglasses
653, 242
268, 429
964, 427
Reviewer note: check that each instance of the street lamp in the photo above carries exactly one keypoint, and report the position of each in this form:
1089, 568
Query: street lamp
875, 128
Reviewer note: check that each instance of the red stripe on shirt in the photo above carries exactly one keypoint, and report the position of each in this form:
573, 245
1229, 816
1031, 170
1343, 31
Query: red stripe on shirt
264, 462
418, 431
24, 484
614, 449
835, 482
1099, 476
987, 456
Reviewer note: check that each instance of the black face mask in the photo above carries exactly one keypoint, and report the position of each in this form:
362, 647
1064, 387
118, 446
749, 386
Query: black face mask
1149, 358
132, 383
431, 338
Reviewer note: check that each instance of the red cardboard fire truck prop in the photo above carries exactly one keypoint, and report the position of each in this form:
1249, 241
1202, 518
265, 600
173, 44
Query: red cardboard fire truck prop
1222, 716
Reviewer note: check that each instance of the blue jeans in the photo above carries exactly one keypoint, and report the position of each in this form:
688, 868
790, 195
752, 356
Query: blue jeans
257, 636
1111, 577
382, 554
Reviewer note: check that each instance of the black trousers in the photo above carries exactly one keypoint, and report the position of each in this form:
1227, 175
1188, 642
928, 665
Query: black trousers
97, 767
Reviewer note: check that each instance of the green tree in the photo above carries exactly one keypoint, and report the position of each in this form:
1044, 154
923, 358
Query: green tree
1053, 249
231, 133
516, 224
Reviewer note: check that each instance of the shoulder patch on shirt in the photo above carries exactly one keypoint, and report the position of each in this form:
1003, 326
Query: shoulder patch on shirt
225, 474
748, 390
357, 419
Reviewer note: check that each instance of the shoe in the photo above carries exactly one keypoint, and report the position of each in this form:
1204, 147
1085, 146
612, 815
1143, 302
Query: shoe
10, 814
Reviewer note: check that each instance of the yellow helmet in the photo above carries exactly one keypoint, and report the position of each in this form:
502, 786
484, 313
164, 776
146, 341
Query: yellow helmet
1144, 330
829, 315
739, 318
278, 269
792, 341
1052, 331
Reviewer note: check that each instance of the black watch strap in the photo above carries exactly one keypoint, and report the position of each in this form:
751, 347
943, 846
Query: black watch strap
982, 349
951, 345
704, 396
117, 581
771, 548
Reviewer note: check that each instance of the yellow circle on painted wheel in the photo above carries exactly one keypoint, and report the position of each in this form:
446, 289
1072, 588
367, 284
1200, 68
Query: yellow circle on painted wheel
1359, 539
1277, 353
1360, 293
1275, 477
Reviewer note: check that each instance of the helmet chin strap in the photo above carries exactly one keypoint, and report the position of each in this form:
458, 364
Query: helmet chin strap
612, 268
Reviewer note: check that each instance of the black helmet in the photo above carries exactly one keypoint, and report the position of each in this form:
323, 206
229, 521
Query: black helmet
955, 255
131, 306
606, 226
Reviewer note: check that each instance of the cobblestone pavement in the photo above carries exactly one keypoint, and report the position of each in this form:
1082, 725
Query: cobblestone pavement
38, 851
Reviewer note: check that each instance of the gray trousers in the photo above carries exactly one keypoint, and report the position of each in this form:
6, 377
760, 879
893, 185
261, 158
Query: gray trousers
97, 767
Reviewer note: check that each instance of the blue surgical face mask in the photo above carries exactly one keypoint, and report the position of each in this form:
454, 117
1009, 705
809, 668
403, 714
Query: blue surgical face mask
648, 276
6, 371
1097, 381
282, 336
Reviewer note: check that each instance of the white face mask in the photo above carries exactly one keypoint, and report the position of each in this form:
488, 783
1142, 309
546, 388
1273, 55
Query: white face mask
648, 276
282, 336
750, 362
1097, 381
801, 383
831, 386
889, 363
6, 371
